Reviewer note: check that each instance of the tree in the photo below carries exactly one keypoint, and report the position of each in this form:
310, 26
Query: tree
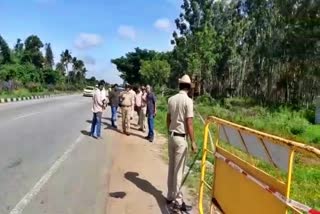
129, 66
49, 62
61, 68
32, 53
155, 72
5, 56
197, 44
66, 59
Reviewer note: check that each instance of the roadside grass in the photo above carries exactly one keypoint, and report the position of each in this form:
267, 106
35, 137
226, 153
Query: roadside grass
281, 121
26, 93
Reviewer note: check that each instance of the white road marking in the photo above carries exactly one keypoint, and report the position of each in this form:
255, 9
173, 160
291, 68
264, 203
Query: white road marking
18, 209
26, 115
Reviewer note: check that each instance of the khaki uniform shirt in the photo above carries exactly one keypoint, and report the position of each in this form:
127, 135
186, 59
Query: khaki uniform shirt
180, 107
127, 99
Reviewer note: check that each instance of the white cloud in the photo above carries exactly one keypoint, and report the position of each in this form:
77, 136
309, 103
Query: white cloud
127, 32
87, 40
88, 60
163, 24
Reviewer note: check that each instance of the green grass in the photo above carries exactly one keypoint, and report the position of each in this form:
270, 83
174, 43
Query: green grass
26, 93
281, 121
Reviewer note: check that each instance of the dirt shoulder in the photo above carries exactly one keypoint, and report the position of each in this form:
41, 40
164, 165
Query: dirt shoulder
138, 176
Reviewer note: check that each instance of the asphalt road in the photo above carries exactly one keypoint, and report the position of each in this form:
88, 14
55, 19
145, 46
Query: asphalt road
47, 162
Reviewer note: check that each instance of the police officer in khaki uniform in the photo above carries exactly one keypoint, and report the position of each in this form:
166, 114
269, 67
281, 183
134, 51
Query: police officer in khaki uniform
126, 98
180, 125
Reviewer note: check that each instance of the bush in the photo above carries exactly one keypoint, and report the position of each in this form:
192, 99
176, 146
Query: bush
9, 86
310, 114
60, 87
50, 87
34, 87
205, 99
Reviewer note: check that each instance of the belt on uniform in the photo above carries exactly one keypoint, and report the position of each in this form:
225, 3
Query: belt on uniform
126, 106
177, 134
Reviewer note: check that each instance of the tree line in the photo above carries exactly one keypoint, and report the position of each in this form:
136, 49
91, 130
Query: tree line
26, 66
268, 50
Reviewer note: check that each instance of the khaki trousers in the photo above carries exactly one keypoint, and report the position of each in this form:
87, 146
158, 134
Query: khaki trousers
125, 112
142, 118
177, 149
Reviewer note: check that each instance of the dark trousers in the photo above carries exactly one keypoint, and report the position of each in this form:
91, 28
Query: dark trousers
151, 127
96, 124
114, 110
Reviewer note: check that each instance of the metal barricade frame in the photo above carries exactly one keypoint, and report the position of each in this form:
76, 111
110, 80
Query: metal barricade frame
240, 192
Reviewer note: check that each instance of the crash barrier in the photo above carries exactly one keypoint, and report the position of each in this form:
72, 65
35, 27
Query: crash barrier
239, 186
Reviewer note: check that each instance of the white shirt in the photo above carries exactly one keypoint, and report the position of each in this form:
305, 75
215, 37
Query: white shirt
97, 101
103, 94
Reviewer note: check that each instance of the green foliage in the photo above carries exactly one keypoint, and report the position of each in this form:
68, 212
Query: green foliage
5, 56
32, 53
51, 77
48, 56
155, 72
129, 66
25, 66
205, 99
34, 87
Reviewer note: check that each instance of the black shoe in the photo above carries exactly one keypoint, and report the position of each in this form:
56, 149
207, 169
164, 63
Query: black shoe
185, 208
147, 138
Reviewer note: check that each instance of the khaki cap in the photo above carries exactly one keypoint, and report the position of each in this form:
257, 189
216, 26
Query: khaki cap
185, 79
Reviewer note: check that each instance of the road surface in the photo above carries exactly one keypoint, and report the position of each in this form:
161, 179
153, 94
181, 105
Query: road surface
47, 162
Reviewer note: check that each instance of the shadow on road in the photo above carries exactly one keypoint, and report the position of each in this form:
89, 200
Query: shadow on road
147, 187
117, 194
85, 132
106, 118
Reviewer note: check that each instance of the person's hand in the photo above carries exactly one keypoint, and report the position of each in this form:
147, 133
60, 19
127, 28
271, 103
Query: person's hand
194, 147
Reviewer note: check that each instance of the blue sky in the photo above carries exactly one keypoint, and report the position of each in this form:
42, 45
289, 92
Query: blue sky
94, 30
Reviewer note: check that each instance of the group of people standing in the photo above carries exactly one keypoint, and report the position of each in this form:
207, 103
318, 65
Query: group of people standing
179, 125
142, 101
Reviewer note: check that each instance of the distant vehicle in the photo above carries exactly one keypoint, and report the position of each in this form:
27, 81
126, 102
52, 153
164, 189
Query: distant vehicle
88, 91
120, 89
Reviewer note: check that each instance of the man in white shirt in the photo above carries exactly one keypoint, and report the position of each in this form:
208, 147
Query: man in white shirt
104, 96
133, 102
97, 109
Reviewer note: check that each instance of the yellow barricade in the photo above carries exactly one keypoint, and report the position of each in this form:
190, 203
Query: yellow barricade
239, 187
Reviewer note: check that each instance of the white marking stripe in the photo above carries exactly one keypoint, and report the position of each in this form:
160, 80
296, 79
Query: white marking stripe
18, 209
26, 115
289, 202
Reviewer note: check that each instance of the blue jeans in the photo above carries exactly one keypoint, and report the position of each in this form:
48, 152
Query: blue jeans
114, 114
96, 124
151, 127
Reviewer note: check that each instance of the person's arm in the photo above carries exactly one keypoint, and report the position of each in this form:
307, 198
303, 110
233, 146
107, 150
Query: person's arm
155, 104
168, 121
189, 122
99, 100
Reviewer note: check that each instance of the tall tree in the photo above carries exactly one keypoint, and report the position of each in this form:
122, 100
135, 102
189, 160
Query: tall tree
49, 62
155, 72
66, 59
32, 53
5, 56
129, 66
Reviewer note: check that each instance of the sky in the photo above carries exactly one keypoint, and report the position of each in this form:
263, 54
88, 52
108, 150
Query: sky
95, 31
